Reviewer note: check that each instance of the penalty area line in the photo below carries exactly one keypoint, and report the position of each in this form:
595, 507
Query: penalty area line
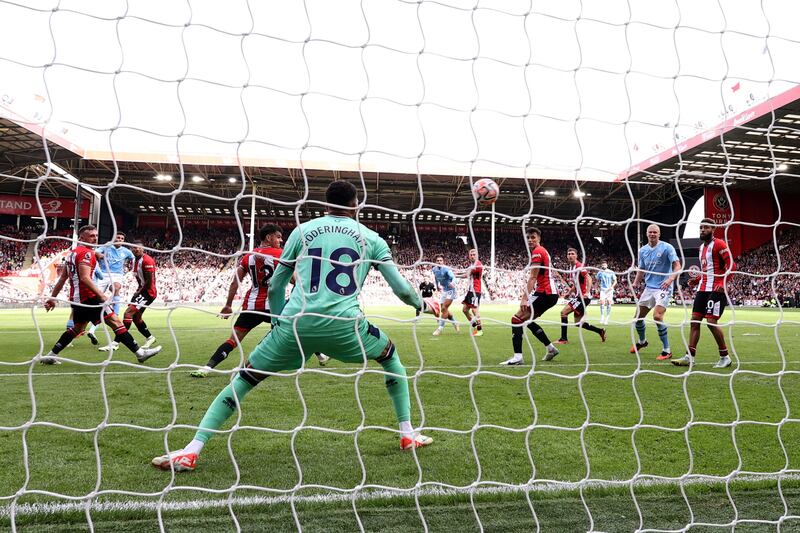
544, 486
485, 367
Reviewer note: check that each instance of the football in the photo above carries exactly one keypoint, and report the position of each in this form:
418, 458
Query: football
485, 191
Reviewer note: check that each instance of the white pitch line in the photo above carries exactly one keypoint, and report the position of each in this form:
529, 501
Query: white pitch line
37, 509
486, 367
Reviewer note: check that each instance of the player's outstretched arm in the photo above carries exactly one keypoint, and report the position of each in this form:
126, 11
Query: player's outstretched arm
232, 289
62, 279
400, 287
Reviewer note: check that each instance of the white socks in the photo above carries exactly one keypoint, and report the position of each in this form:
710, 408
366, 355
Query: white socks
406, 429
196, 446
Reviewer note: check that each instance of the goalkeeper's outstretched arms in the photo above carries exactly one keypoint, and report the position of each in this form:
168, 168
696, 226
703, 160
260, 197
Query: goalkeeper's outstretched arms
400, 287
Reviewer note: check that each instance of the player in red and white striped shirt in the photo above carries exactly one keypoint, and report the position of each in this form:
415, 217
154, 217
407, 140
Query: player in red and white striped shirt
582, 283
472, 300
144, 270
539, 295
89, 303
716, 265
259, 264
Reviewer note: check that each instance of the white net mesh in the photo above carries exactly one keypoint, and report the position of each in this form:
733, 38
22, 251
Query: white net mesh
188, 124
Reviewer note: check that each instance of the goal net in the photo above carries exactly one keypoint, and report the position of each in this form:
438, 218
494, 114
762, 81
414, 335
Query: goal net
189, 126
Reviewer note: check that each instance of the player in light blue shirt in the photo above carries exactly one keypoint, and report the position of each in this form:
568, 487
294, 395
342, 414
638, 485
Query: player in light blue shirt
445, 283
109, 273
659, 266
607, 281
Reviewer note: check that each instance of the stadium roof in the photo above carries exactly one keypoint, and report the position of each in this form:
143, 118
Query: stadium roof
754, 154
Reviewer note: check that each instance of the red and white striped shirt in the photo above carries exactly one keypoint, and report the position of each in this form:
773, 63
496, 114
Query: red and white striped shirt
78, 290
260, 264
578, 275
545, 283
475, 274
142, 265
715, 262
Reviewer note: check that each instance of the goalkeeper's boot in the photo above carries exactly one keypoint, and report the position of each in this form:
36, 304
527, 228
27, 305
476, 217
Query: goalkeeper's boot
664, 355
151, 340
603, 335
724, 362
561, 341
181, 462
323, 359
407, 443
109, 348
686, 360
638, 346
146, 353
200, 372
93, 339
437, 332
550, 354
513, 361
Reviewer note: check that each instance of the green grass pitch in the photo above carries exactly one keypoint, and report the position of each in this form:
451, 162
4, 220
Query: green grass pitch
521, 437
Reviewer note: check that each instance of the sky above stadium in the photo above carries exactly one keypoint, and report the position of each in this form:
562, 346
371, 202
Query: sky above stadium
569, 90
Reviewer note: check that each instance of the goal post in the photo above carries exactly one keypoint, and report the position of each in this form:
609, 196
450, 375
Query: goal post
194, 125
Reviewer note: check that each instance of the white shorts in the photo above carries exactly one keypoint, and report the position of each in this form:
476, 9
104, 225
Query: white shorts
654, 297
447, 295
607, 294
108, 280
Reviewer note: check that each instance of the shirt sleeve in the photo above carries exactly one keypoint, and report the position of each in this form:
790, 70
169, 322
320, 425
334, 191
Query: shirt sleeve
641, 259
672, 254
380, 252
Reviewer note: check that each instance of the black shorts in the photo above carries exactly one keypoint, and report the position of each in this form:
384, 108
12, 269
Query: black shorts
472, 299
251, 319
84, 315
541, 302
709, 304
579, 305
142, 301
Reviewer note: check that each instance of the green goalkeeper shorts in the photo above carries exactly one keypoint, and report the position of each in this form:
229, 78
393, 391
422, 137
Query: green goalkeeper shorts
349, 341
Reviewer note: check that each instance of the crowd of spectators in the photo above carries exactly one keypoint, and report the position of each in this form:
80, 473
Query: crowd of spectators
12, 252
197, 264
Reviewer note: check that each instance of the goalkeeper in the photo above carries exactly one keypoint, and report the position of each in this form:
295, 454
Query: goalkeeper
331, 256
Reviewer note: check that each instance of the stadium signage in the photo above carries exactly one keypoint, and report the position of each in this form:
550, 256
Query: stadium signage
52, 207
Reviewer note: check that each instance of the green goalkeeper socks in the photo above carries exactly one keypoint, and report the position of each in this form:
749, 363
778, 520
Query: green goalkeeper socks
397, 387
226, 401
224, 406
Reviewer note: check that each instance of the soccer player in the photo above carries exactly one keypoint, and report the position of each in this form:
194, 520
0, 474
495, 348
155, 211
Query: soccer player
608, 282
538, 296
445, 284
144, 270
259, 264
330, 256
89, 303
659, 266
582, 282
716, 264
472, 300
112, 271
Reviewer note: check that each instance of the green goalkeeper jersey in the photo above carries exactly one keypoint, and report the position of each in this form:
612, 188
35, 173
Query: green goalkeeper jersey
331, 256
